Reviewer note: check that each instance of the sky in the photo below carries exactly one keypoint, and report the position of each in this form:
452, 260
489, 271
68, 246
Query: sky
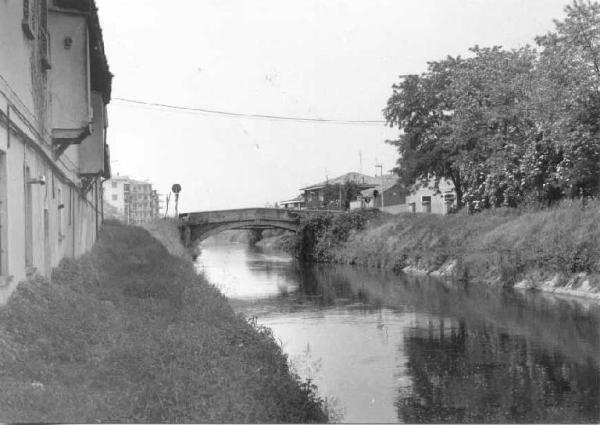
325, 59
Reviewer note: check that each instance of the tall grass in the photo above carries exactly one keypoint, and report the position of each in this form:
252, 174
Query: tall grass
129, 333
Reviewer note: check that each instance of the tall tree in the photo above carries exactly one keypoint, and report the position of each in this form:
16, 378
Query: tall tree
491, 124
565, 153
421, 107
464, 120
504, 126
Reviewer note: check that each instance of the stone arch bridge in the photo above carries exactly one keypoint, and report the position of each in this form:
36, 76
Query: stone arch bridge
197, 226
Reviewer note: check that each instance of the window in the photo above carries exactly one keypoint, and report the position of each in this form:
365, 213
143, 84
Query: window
114, 185
28, 218
44, 39
3, 215
70, 204
115, 197
426, 200
60, 215
30, 19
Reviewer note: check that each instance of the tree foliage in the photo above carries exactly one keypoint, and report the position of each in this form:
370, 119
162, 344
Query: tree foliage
340, 195
507, 126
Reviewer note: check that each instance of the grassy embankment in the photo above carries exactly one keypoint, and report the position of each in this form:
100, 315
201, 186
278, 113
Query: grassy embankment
130, 333
555, 250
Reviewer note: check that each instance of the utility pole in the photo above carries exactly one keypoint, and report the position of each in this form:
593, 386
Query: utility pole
167, 208
380, 166
360, 159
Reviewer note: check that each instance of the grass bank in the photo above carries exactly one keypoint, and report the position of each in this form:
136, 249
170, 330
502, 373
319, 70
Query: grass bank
130, 333
555, 250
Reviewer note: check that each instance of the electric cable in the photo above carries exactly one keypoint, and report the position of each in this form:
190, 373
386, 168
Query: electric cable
249, 115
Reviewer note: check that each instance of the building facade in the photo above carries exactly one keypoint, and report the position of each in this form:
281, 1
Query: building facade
423, 198
317, 196
134, 201
297, 203
427, 198
54, 86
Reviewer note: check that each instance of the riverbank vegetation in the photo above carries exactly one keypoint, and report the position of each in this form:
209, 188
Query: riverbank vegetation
507, 127
130, 333
557, 249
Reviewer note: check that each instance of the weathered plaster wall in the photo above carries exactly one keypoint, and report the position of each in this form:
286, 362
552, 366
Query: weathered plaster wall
15, 50
55, 232
438, 205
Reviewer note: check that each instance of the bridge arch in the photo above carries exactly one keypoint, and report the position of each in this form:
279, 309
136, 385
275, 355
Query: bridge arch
198, 235
197, 226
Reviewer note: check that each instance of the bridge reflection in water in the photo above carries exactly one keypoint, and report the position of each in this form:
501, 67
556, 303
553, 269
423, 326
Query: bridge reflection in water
197, 226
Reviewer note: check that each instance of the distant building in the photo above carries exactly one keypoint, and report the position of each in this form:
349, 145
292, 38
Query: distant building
429, 199
315, 195
371, 197
397, 198
418, 198
135, 201
297, 203
54, 86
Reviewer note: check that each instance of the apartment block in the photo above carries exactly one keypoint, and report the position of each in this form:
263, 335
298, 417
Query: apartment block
134, 201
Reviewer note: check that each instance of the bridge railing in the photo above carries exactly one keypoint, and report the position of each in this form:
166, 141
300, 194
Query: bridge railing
250, 214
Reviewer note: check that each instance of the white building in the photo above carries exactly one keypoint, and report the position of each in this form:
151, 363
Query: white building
135, 201
54, 85
422, 198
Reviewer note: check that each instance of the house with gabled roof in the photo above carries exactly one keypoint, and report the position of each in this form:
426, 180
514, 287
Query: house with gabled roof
296, 203
315, 195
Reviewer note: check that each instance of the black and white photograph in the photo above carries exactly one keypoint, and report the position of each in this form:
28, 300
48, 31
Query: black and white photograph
300, 211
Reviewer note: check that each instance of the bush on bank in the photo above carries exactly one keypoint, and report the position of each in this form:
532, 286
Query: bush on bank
318, 237
502, 246
130, 333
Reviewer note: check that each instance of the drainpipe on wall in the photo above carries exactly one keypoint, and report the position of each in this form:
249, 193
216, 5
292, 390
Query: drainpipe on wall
96, 208
73, 220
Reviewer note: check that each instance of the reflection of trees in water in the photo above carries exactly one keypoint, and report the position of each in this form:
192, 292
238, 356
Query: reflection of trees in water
462, 375
554, 323
326, 285
503, 357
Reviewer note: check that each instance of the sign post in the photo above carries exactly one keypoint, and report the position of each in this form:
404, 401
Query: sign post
176, 188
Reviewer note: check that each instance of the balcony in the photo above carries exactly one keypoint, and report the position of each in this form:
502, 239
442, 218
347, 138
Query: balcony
69, 79
91, 151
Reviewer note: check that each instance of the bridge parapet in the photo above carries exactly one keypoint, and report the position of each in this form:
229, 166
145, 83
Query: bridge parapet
200, 225
243, 214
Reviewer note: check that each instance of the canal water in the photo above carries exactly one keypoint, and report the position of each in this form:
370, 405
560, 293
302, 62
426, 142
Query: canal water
387, 348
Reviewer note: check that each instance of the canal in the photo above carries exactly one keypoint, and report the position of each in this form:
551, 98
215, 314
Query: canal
387, 348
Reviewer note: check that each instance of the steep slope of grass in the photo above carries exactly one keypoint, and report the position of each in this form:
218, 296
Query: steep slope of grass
500, 247
129, 333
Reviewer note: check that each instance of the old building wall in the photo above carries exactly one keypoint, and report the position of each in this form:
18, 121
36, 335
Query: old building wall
56, 232
438, 204
15, 50
44, 215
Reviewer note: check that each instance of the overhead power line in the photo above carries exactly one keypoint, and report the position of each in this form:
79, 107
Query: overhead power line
248, 115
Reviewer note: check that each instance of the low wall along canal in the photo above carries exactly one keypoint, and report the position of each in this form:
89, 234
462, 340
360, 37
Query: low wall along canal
387, 348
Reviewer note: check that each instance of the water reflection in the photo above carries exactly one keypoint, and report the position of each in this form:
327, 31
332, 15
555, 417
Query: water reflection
392, 349
482, 375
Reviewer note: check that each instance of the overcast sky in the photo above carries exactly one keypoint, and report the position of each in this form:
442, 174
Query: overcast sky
324, 59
